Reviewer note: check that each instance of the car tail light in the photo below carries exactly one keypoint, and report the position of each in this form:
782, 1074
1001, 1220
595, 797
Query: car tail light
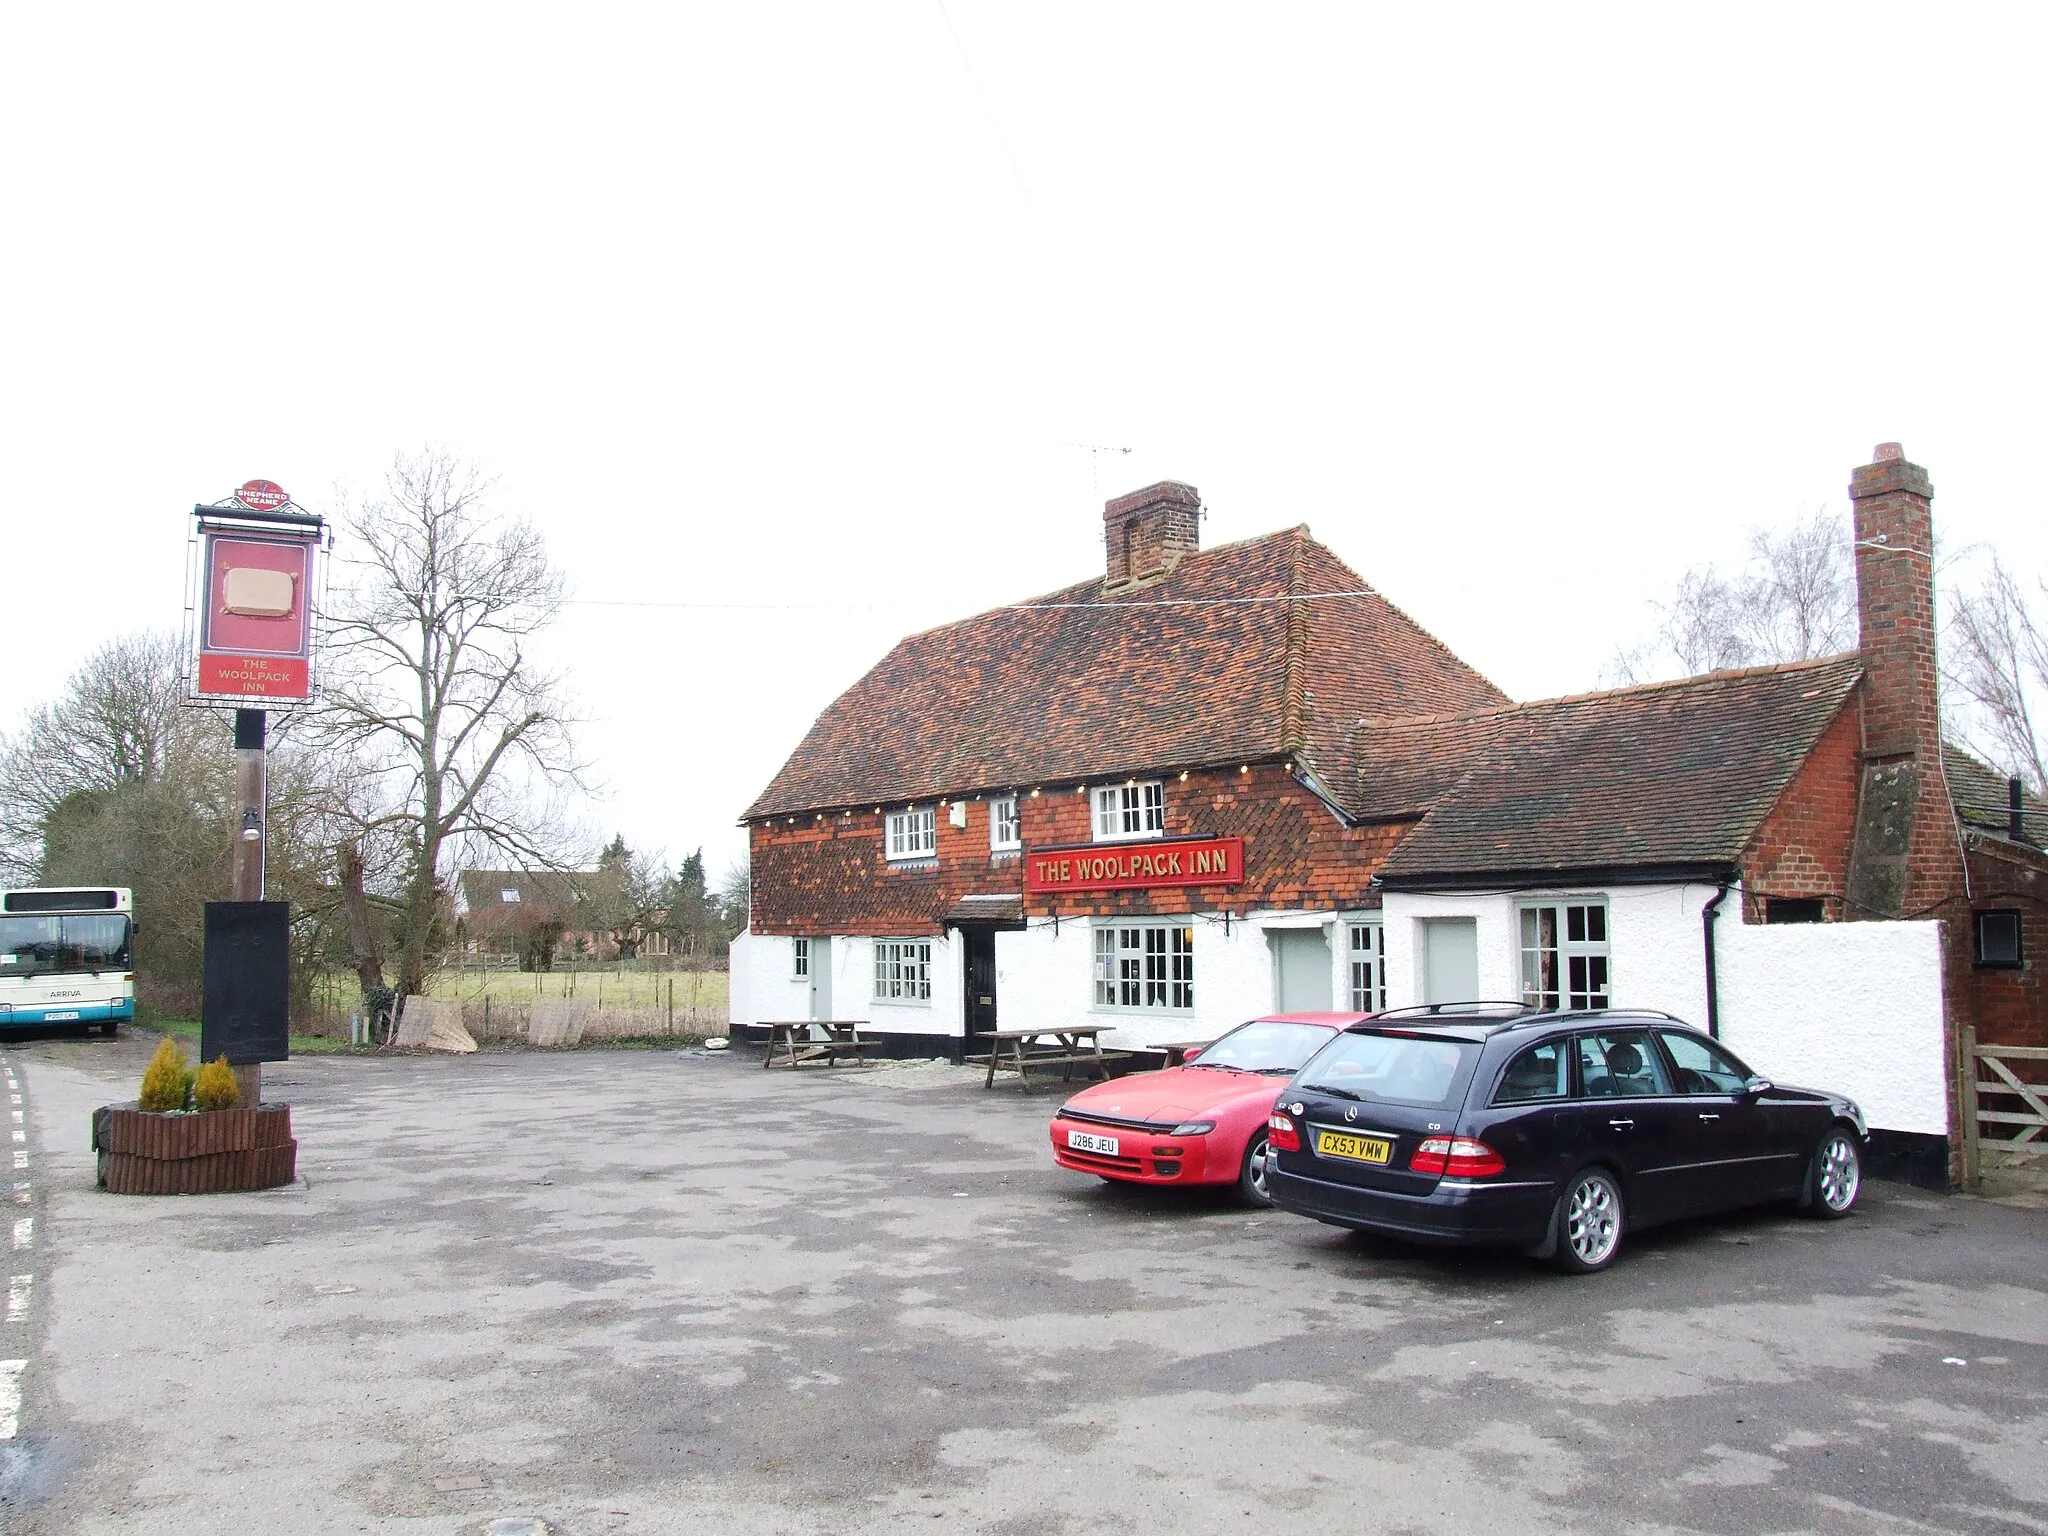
1280, 1134
1457, 1157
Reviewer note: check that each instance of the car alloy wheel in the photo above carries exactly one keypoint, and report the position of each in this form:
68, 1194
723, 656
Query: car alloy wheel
1589, 1217
1837, 1175
1252, 1182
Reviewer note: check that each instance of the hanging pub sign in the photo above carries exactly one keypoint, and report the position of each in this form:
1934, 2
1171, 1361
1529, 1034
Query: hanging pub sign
253, 597
1134, 866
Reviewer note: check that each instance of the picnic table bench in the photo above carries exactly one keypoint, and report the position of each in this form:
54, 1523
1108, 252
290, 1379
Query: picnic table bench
1064, 1046
802, 1040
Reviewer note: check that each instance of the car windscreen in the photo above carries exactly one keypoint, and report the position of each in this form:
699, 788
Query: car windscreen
36, 945
1424, 1070
1264, 1045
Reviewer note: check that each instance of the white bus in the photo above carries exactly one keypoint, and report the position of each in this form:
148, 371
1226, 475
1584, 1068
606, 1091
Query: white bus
67, 957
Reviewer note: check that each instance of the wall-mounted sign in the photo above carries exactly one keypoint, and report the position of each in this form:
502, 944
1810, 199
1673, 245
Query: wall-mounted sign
1135, 866
262, 495
256, 619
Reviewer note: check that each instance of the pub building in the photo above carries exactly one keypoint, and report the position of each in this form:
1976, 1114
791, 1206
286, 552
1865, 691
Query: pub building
1211, 784
1118, 804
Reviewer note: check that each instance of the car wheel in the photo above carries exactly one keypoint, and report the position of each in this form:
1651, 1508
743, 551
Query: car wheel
1835, 1177
1589, 1220
1251, 1179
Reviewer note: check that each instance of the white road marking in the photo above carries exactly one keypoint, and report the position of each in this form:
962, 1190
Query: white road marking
15, 1114
18, 1287
21, 1157
22, 1191
10, 1397
25, 1232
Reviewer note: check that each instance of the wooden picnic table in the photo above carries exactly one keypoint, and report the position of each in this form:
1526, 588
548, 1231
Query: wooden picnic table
1065, 1046
1177, 1050
826, 1040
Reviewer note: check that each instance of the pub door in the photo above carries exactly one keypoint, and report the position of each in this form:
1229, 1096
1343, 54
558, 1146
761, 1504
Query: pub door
980, 991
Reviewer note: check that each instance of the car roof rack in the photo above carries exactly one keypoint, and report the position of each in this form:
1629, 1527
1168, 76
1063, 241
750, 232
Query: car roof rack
1478, 1007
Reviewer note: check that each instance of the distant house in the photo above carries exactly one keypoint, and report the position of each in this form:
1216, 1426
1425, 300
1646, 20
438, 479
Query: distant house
539, 916
1209, 784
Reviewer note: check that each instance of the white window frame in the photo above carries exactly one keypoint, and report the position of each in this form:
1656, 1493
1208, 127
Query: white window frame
1120, 813
1365, 963
903, 971
911, 833
1582, 973
1143, 967
1005, 825
800, 959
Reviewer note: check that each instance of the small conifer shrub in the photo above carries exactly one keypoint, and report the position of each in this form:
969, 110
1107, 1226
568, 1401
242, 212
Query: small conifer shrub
166, 1079
214, 1087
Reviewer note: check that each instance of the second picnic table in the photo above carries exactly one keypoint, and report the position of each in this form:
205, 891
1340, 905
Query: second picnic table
1065, 1046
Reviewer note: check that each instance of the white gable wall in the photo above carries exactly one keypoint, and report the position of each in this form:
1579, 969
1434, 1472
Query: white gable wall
1852, 1007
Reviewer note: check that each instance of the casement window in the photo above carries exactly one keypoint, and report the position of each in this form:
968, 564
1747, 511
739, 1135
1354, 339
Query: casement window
1129, 810
800, 962
913, 834
509, 897
1998, 941
1564, 954
1368, 956
1004, 829
1149, 967
903, 970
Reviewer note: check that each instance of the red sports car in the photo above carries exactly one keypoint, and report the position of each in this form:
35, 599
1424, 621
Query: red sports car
1202, 1123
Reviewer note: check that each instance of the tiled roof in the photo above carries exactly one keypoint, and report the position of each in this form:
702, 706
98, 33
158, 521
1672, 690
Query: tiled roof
1979, 793
1671, 774
537, 893
1229, 657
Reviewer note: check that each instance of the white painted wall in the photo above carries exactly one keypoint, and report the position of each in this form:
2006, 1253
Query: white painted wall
1851, 1007
760, 982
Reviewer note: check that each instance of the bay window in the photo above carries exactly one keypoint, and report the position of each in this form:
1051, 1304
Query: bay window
1146, 967
1564, 954
903, 970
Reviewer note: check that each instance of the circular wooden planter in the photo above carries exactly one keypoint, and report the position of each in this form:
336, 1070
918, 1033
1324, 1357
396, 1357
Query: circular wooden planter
144, 1152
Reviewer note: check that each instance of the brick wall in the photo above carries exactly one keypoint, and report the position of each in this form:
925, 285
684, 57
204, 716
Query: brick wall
1802, 847
827, 875
2004, 1007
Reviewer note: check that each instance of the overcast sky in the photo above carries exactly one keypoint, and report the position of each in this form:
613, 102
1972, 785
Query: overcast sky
817, 311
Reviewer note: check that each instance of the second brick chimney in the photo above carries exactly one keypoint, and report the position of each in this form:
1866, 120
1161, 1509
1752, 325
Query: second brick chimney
1147, 532
1905, 841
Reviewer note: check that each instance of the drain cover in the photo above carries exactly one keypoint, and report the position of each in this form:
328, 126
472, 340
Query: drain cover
517, 1525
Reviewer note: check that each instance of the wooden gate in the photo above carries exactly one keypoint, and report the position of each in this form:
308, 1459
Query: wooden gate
2016, 1114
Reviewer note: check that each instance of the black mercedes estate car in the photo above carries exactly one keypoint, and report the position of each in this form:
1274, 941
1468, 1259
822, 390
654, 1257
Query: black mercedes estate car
1483, 1123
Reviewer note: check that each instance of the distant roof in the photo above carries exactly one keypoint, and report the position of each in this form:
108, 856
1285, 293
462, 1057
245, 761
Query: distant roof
1668, 775
528, 892
1979, 792
1233, 656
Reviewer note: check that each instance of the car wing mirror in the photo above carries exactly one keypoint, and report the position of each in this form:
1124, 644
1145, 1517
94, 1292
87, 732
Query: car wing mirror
1757, 1085
1190, 1054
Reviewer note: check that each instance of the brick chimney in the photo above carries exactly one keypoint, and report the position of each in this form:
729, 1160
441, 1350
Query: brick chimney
1148, 531
1905, 849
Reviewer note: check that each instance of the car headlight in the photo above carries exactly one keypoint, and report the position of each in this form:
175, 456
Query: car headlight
1194, 1128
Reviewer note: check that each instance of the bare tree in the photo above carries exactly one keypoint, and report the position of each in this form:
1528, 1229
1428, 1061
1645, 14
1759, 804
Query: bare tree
435, 692
1794, 598
116, 723
1996, 666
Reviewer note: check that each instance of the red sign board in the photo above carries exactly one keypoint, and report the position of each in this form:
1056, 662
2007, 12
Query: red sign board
256, 619
1135, 866
262, 495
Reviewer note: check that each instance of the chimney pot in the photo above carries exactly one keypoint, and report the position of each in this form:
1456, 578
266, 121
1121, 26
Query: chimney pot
1886, 452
